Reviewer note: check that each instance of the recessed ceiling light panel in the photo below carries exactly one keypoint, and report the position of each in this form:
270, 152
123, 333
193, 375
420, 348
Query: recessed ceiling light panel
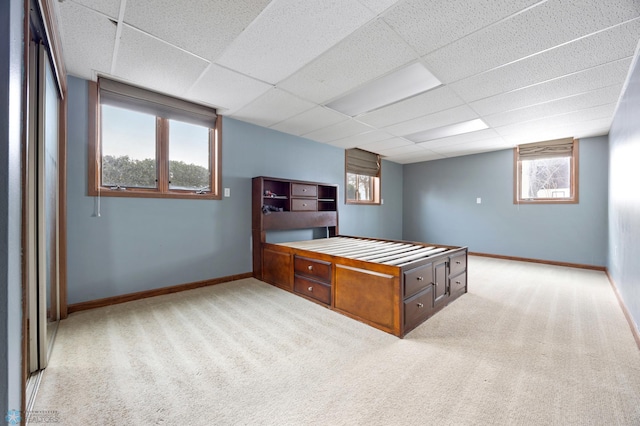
396, 86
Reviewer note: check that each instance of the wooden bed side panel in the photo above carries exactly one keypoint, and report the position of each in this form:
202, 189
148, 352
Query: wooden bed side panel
277, 268
371, 297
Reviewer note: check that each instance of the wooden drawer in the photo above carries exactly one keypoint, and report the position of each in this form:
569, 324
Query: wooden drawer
458, 263
311, 268
302, 190
418, 307
313, 289
301, 204
458, 283
417, 279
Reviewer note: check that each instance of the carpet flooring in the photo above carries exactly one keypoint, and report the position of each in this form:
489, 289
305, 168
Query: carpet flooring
529, 344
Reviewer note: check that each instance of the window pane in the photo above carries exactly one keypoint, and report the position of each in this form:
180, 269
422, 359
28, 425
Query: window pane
351, 186
546, 178
189, 156
128, 148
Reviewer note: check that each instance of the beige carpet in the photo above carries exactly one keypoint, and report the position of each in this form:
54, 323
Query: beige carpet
528, 345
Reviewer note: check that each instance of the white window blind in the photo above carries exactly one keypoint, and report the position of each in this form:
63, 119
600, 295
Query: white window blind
546, 149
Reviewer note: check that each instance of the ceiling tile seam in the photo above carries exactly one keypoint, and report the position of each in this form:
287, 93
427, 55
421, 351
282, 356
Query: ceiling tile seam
363, 146
426, 115
346, 117
545, 81
319, 55
458, 143
330, 48
545, 117
116, 45
499, 129
627, 80
486, 27
555, 100
161, 40
544, 50
341, 138
416, 59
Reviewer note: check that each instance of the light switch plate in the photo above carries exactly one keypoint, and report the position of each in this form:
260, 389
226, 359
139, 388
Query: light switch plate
227, 192
478, 200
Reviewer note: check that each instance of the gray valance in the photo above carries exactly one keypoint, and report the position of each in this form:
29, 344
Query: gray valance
362, 162
546, 149
131, 97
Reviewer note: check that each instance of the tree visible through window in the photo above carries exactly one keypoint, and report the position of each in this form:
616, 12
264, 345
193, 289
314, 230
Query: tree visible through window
546, 172
151, 145
362, 177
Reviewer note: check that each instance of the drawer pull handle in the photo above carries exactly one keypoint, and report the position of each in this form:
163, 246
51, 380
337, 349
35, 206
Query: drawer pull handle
310, 267
458, 282
420, 305
420, 279
457, 262
310, 288
304, 189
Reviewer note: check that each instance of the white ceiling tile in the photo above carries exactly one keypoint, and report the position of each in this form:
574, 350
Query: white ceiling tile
480, 135
371, 52
401, 150
429, 102
289, 34
583, 101
110, 8
530, 128
203, 27
227, 89
273, 107
573, 84
166, 68
385, 144
429, 25
589, 128
545, 26
360, 139
471, 147
378, 6
338, 131
414, 157
88, 38
314, 119
431, 121
611, 45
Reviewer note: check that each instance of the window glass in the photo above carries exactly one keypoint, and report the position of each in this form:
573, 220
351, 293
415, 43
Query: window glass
128, 148
546, 178
189, 161
360, 187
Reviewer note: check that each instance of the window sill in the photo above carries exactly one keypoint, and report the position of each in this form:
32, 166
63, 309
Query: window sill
130, 193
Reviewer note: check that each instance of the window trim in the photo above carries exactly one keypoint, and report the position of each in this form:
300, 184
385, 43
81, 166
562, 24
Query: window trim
574, 174
162, 159
377, 183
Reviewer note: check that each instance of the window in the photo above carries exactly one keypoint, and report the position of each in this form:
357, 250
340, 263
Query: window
144, 144
362, 177
546, 172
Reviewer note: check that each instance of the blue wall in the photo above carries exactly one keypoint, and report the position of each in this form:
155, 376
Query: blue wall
440, 207
624, 195
11, 67
142, 244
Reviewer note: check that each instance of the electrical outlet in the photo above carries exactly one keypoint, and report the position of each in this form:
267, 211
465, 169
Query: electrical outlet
227, 192
478, 200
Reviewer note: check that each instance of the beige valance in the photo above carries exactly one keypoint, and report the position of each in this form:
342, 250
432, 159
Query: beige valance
362, 162
131, 97
546, 149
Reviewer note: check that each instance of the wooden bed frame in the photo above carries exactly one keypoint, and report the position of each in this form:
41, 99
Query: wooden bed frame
391, 285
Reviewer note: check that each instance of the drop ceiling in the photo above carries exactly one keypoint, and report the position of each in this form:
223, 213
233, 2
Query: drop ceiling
530, 70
